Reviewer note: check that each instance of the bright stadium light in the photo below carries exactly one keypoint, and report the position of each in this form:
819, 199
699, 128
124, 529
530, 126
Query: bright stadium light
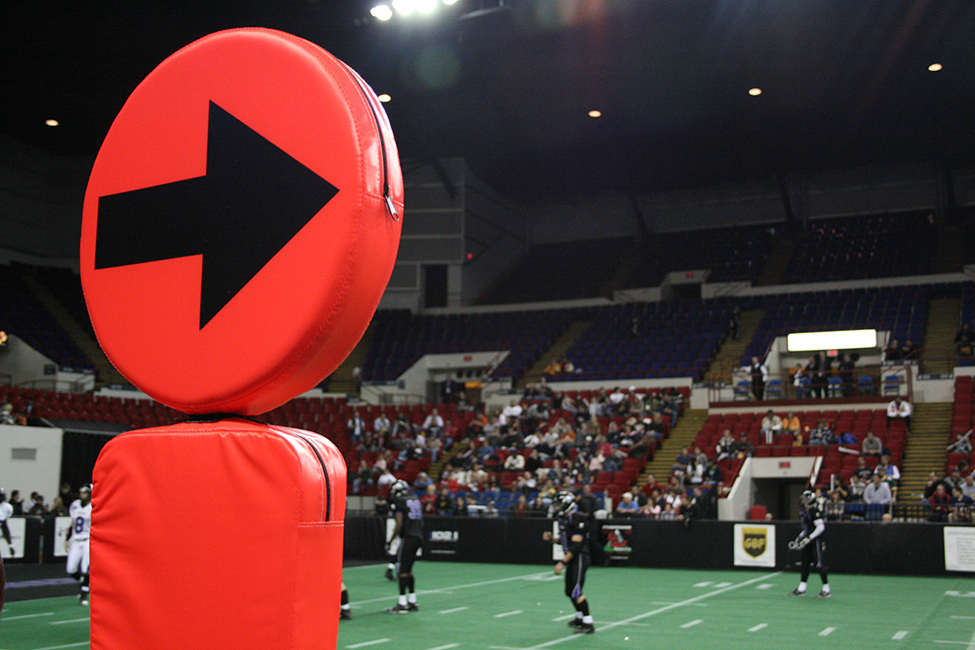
848, 340
381, 12
449, 2
404, 7
426, 6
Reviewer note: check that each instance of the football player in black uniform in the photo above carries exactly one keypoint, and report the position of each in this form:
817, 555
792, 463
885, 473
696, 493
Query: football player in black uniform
409, 531
574, 529
810, 543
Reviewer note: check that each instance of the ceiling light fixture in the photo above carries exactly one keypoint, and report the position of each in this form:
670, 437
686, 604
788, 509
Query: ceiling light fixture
51, 122
934, 67
404, 7
381, 12
384, 98
755, 92
595, 114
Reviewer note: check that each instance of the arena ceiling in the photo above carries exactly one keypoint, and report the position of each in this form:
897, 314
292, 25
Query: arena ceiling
508, 85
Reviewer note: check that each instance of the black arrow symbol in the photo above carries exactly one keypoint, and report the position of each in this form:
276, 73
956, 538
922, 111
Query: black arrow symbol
252, 201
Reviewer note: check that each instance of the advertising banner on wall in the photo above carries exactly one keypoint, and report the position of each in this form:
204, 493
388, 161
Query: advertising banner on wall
754, 545
615, 539
61, 527
959, 548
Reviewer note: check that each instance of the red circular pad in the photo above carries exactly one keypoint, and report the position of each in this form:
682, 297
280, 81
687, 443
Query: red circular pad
241, 223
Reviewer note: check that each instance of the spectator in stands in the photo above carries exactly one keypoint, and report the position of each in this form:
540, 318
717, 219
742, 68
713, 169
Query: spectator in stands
566, 367
553, 368
858, 485
652, 508
871, 445
616, 399
526, 483
6, 414
968, 486
696, 471
401, 426
771, 428
627, 507
940, 503
822, 434
16, 502
357, 427
362, 477
835, 506
381, 425
460, 507
537, 413
891, 474
863, 470
814, 370
743, 447
429, 499
952, 480
683, 460
386, 478
725, 446
652, 485
434, 447
910, 351
893, 351
878, 492
421, 482
478, 478
846, 371
58, 509
961, 507
37, 505
791, 424
713, 473
515, 462
930, 487
434, 423
965, 341
539, 505
521, 507
961, 444
444, 503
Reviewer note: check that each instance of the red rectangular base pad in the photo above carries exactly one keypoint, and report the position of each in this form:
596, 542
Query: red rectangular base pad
217, 535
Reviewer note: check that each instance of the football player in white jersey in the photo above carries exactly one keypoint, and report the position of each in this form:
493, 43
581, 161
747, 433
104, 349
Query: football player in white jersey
6, 510
77, 542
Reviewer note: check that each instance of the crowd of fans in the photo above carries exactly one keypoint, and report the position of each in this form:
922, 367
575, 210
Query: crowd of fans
10, 415
512, 461
37, 506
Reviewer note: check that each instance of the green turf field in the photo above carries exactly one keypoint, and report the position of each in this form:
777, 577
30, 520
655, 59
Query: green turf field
516, 607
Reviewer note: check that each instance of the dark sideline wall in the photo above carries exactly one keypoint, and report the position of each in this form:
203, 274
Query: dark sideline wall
868, 548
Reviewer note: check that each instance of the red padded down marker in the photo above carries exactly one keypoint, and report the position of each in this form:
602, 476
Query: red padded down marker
241, 223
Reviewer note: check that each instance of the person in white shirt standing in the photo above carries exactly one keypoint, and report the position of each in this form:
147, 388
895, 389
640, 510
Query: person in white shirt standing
77, 542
